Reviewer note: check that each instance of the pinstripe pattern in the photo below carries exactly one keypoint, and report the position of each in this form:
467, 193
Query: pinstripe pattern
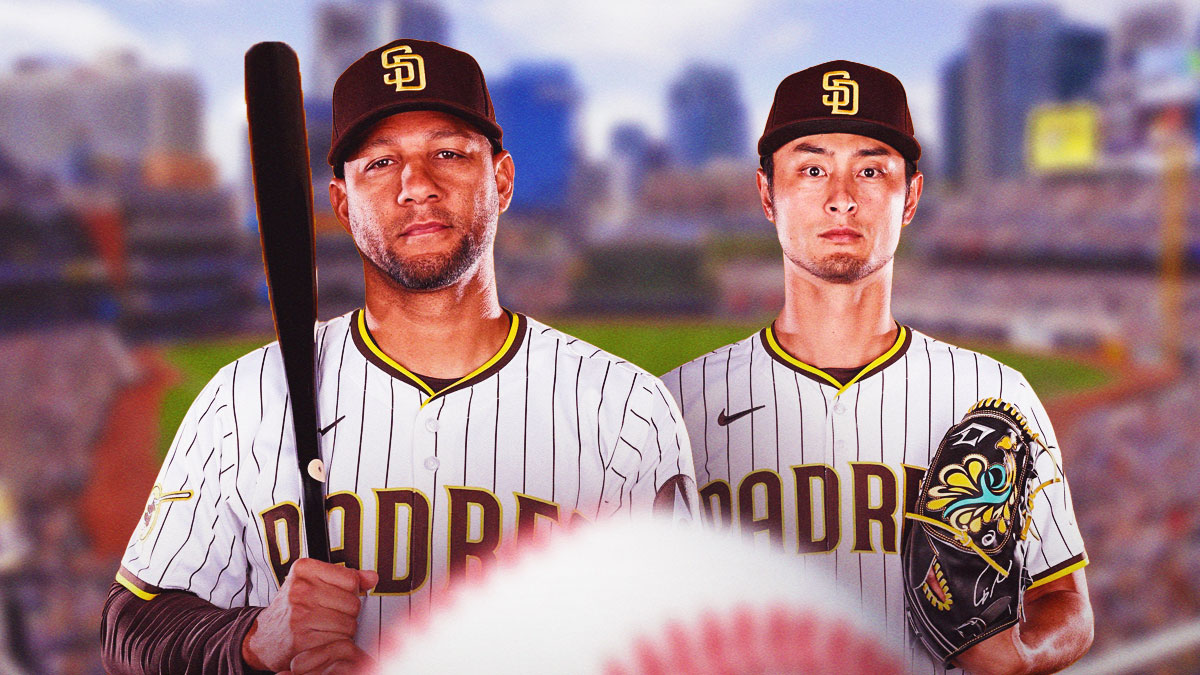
600, 442
895, 415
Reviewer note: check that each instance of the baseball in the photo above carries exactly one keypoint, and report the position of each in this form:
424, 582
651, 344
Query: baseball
643, 597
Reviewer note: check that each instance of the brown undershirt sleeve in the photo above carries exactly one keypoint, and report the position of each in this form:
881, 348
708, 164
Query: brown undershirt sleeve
176, 632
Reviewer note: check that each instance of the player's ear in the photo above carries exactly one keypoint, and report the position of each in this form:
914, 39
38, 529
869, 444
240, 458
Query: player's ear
764, 195
340, 202
502, 164
912, 197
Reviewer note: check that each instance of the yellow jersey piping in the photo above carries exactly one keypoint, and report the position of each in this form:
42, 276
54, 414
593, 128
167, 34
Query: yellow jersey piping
515, 328
903, 338
133, 587
1081, 561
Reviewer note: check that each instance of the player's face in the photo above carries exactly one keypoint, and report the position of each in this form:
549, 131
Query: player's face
421, 196
839, 203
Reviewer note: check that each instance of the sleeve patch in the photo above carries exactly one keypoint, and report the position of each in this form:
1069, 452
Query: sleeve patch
154, 504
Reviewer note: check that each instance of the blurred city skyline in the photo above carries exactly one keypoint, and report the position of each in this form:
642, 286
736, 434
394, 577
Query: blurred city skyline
625, 59
111, 167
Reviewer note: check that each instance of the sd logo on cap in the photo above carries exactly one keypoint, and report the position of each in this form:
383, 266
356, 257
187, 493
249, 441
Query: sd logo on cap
407, 69
415, 75
841, 97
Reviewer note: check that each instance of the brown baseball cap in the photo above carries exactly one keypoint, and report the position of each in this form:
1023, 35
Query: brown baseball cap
408, 75
841, 97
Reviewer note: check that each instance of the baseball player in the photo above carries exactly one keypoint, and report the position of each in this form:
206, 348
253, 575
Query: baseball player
448, 425
813, 435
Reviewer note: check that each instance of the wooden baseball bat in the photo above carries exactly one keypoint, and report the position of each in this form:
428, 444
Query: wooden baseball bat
283, 193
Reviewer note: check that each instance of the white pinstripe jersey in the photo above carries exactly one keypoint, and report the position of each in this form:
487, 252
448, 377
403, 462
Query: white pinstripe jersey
789, 455
420, 486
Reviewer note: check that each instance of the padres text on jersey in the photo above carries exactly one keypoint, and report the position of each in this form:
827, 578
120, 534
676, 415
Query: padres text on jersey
825, 469
422, 484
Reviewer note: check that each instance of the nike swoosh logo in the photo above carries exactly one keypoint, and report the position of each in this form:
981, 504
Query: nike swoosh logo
331, 425
724, 420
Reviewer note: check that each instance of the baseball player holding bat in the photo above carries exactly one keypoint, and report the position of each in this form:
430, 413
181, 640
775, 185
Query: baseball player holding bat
922, 478
448, 425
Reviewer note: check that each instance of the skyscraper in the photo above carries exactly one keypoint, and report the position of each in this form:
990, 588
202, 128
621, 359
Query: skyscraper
418, 19
1152, 71
1010, 68
344, 33
537, 105
706, 116
1147, 26
1081, 56
318, 117
954, 117
1018, 57
635, 154
347, 31
116, 107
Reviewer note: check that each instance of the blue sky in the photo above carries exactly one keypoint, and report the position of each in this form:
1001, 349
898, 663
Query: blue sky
624, 52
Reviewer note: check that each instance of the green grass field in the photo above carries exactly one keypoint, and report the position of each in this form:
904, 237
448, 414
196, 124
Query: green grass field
196, 362
657, 347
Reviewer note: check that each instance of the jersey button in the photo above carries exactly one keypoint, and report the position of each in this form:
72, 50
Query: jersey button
840, 446
432, 463
839, 407
432, 425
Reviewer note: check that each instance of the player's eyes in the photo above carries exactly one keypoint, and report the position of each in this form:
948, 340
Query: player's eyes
380, 163
871, 172
448, 154
812, 171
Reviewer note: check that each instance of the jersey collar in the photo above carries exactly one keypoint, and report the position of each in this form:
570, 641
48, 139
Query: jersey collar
370, 349
893, 354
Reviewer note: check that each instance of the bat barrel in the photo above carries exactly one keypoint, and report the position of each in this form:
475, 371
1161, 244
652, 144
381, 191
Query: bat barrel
278, 142
283, 193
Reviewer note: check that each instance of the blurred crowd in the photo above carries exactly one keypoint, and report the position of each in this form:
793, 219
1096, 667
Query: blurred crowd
58, 389
1108, 219
1133, 471
1135, 454
1043, 306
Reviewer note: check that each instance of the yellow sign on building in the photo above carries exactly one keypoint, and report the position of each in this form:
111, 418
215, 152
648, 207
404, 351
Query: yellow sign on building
1062, 137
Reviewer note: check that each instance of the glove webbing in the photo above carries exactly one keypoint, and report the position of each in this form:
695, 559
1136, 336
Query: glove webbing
963, 538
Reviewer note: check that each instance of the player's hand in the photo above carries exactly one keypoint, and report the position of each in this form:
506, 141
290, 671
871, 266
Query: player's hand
318, 604
998, 654
342, 656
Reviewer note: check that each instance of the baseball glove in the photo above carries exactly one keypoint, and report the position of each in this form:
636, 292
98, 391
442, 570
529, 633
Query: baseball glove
964, 572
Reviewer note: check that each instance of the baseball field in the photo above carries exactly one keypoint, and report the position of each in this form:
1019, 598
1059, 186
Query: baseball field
656, 346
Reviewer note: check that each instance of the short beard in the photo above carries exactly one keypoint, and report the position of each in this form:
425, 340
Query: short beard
432, 272
840, 268
426, 272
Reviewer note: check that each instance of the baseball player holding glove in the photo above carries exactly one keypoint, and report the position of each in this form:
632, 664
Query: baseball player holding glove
922, 478
449, 425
